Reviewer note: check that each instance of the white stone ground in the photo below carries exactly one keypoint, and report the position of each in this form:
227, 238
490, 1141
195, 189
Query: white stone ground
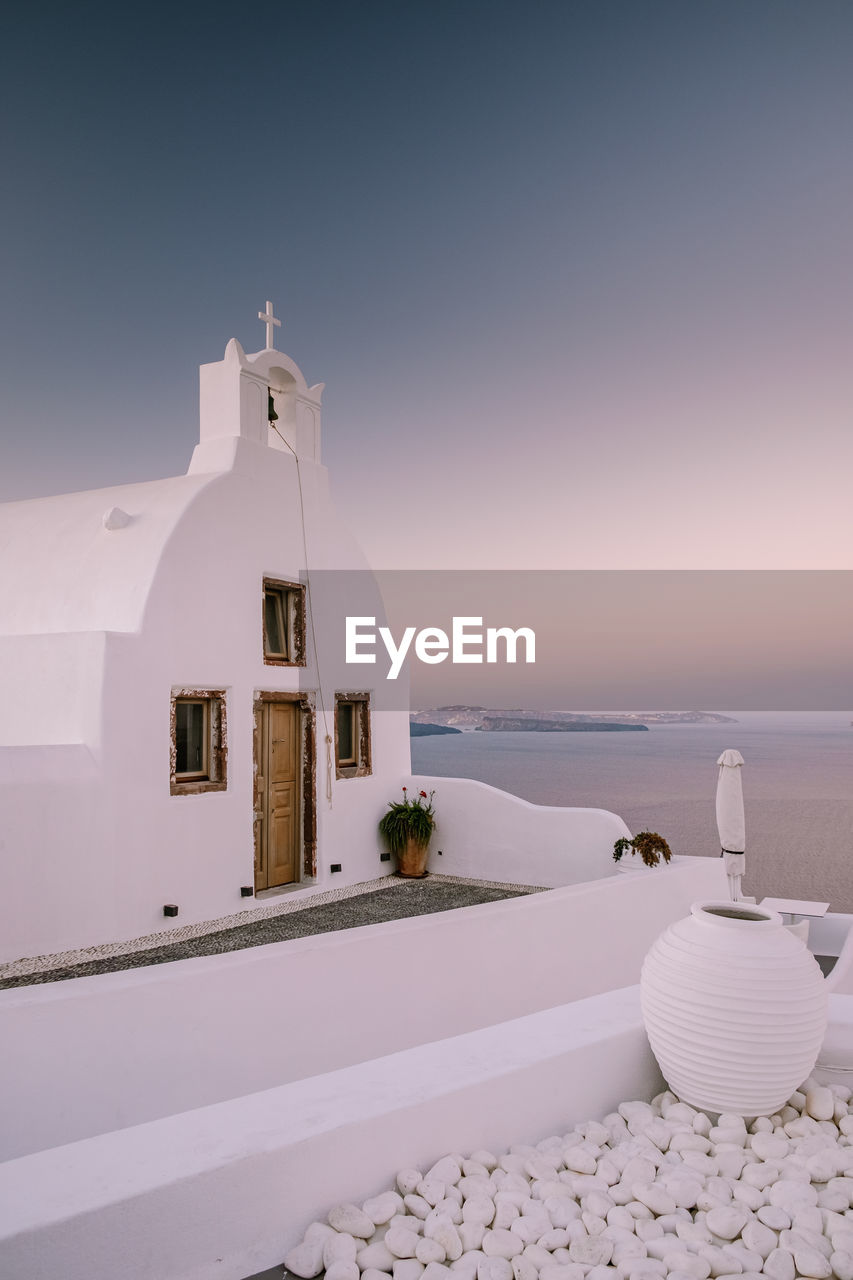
653, 1190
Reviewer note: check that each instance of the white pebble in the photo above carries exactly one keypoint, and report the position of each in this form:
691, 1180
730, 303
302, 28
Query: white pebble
792, 1196
465, 1268
759, 1238
417, 1206
842, 1264
445, 1232
730, 1163
478, 1208
579, 1161
690, 1264
557, 1238
435, 1271
654, 1197
505, 1215
476, 1186
820, 1103
561, 1271
428, 1250
376, 1257
447, 1169
306, 1260
343, 1271
624, 1249
319, 1231
341, 1247
471, 1234
593, 1251
401, 1242
407, 1180
721, 1262
431, 1190
408, 1269
350, 1219
769, 1146
748, 1196
775, 1218
407, 1222
727, 1222
529, 1228
780, 1265
523, 1268
823, 1165
494, 1269
811, 1262
381, 1209
731, 1137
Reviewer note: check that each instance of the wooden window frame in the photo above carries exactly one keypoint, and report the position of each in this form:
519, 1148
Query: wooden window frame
293, 606
215, 776
362, 766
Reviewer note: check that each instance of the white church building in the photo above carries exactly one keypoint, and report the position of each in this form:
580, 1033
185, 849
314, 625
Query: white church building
165, 740
180, 734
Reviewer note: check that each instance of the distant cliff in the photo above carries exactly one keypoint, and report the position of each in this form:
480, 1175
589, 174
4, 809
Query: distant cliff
527, 724
462, 716
420, 729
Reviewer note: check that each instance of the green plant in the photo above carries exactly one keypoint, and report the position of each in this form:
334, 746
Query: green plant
648, 844
408, 819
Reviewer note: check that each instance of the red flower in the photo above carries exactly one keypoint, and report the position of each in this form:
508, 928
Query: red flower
424, 794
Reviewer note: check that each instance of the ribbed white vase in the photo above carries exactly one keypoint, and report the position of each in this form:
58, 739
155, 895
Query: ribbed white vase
735, 1008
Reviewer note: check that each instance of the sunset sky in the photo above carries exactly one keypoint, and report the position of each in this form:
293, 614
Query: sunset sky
578, 275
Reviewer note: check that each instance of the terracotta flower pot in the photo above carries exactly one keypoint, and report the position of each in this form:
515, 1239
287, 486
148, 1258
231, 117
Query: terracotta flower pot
412, 859
735, 1008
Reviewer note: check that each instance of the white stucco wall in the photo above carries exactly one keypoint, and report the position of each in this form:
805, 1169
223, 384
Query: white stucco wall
148, 1042
225, 1191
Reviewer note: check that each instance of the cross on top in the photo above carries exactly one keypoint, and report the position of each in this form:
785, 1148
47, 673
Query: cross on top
271, 323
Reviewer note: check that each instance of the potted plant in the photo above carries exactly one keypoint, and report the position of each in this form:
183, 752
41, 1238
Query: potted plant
647, 846
407, 827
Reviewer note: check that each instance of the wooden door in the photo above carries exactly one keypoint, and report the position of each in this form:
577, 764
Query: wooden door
277, 794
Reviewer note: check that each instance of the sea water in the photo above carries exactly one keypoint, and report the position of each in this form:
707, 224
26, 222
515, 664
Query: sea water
797, 783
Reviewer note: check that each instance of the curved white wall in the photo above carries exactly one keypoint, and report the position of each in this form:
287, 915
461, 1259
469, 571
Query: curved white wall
489, 834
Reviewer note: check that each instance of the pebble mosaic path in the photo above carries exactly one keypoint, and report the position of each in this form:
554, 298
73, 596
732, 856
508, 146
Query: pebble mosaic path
388, 899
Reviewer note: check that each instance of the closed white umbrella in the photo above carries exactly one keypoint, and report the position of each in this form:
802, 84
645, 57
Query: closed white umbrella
731, 824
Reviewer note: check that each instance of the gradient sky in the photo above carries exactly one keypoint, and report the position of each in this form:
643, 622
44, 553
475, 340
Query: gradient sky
578, 275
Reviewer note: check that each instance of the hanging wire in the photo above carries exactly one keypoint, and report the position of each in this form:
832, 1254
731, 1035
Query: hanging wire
328, 736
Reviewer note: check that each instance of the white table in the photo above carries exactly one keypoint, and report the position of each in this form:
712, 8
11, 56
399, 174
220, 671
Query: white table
794, 907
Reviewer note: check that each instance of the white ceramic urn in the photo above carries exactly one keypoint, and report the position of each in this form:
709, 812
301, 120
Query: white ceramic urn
735, 1008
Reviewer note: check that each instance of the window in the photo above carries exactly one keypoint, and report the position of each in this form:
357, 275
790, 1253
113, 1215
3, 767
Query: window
284, 623
198, 745
352, 735
192, 735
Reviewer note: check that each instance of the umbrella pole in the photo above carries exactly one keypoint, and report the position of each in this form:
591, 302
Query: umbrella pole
734, 873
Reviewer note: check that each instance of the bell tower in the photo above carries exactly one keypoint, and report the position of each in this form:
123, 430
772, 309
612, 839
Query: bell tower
262, 399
